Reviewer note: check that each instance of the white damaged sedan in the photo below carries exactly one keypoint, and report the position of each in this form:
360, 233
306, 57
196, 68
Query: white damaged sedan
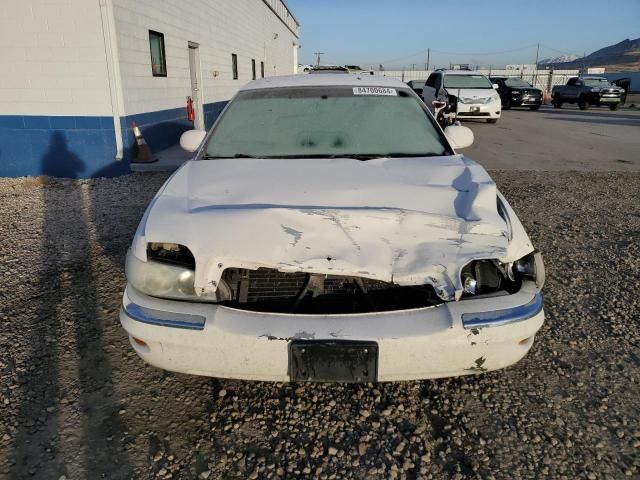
327, 230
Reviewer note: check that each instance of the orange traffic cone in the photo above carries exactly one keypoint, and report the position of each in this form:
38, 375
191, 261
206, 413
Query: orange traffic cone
546, 97
144, 152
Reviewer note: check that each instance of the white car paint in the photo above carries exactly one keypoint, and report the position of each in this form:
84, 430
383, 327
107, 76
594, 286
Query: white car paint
409, 221
475, 99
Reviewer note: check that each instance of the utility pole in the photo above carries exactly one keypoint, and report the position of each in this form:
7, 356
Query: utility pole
428, 55
317, 54
413, 67
535, 72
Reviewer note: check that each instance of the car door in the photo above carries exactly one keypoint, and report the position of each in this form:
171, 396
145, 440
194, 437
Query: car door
429, 92
573, 88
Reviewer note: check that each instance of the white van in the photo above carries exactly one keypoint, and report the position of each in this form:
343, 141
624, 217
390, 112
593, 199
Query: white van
474, 93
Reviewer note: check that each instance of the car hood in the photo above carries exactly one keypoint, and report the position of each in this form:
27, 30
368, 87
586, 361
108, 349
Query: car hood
410, 221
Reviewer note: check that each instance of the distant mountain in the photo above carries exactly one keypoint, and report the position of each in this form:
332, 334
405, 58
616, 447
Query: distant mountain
560, 59
623, 56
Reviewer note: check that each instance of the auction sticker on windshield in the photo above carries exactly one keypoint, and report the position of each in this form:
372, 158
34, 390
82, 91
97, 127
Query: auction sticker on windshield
375, 91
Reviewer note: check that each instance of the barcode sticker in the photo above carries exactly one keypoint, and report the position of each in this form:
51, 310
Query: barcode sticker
375, 91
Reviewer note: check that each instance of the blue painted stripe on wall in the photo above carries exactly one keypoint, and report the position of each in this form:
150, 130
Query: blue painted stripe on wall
84, 146
71, 153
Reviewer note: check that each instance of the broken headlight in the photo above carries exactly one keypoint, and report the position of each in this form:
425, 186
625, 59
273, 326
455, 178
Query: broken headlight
489, 276
482, 276
530, 267
169, 272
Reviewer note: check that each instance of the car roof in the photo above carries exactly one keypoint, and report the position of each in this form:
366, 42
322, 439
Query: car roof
461, 72
325, 80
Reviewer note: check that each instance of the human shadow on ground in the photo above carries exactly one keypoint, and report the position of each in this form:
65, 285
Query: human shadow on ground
68, 416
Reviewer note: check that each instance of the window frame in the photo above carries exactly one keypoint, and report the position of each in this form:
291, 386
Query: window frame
234, 66
163, 53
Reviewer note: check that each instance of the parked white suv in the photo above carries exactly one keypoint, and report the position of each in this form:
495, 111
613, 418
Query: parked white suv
474, 94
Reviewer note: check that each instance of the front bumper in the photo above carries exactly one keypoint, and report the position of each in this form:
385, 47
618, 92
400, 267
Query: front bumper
473, 110
456, 338
526, 101
610, 99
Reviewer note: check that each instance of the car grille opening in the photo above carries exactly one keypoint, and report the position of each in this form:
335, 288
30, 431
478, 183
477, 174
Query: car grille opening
268, 290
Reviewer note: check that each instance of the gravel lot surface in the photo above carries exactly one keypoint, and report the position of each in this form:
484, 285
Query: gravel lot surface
76, 402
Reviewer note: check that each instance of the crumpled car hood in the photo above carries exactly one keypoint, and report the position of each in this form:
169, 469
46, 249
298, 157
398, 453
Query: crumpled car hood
410, 221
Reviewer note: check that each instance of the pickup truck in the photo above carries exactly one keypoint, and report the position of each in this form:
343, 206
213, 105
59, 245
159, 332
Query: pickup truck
586, 91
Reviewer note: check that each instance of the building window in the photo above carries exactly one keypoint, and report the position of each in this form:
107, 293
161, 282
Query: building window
253, 68
234, 65
158, 58
262, 69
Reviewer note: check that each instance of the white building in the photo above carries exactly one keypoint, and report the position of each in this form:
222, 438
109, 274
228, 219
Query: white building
76, 73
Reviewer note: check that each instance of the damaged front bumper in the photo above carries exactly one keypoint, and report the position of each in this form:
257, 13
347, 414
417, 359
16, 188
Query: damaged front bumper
451, 339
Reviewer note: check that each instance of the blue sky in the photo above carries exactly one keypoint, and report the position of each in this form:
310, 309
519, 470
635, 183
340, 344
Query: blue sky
397, 33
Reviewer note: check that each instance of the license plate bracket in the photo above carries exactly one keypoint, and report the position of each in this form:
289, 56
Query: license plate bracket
342, 361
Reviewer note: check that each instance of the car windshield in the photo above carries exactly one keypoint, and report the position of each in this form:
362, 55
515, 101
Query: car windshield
596, 82
467, 81
517, 83
311, 122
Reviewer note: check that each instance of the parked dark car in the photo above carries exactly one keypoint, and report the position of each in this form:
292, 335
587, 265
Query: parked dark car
515, 92
587, 91
417, 86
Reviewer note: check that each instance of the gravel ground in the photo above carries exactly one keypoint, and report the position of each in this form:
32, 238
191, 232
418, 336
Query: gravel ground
76, 402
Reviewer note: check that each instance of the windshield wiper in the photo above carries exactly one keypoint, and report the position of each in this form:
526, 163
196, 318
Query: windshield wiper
360, 156
237, 155
356, 156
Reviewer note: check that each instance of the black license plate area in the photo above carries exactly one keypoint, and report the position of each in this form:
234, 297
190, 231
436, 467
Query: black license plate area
333, 361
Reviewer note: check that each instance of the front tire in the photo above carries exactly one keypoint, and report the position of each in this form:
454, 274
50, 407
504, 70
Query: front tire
583, 104
492, 120
557, 103
534, 108
614, 107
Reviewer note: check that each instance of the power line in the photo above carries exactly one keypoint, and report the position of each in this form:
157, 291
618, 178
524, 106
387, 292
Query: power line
486, 53
430, 50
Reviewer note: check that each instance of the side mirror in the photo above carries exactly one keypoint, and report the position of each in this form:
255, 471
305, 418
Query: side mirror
459, 136
191, 140
495, 86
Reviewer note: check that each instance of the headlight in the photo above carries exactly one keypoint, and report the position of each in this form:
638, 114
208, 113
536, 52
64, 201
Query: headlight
461, 100
530, 267
491, 99
167, 273
490, 276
